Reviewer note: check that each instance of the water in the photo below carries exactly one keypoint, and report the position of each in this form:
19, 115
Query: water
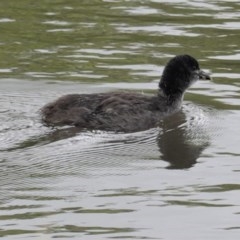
180, 181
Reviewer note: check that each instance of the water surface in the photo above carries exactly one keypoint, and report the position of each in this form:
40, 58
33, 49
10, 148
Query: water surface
178, 181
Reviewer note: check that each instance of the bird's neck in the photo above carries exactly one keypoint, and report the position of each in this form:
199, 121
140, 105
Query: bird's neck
171, 98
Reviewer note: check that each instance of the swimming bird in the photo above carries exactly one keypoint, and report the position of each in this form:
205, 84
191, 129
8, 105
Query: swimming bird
126, 111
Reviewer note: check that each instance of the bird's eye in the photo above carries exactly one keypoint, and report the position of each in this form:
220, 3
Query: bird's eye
194, 68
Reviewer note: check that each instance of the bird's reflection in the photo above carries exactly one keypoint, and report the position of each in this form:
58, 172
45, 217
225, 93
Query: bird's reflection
181, 141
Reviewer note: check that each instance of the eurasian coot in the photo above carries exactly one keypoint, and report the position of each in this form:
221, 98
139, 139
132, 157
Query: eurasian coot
124, 111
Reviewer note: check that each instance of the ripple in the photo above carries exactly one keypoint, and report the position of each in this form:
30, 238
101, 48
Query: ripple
45, 51
103, 51
142, 10
157, 29
227, 75
5, 20
227, 57
197, 5
61, 30
225, 26
57, 23
6, 70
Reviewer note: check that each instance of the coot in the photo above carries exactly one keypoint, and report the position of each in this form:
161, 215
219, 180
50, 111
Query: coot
124, 111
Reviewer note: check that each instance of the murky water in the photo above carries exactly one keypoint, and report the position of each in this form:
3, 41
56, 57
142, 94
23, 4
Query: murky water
180, 181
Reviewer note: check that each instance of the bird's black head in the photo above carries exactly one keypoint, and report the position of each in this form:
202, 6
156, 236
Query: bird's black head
179, 74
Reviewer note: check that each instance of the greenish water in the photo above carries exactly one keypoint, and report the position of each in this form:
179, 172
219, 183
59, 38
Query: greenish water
180, 181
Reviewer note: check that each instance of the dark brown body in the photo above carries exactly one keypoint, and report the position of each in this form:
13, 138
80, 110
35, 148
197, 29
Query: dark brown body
126, 112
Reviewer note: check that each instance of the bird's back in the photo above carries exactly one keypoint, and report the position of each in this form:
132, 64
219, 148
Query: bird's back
107, 111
